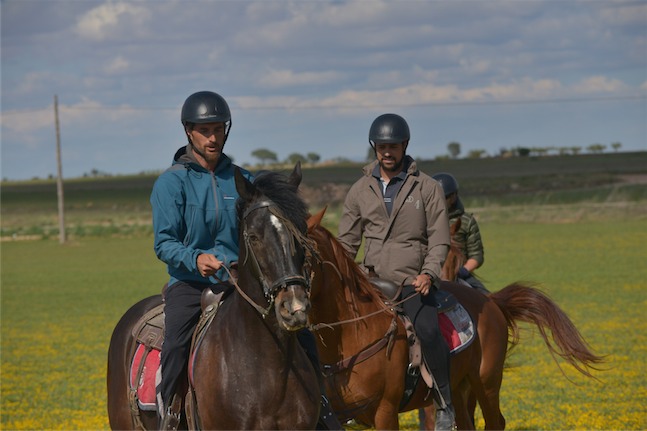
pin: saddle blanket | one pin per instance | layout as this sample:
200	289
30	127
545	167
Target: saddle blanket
457	328
144	383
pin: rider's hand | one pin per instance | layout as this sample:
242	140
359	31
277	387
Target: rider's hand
422	284
463	273
208	264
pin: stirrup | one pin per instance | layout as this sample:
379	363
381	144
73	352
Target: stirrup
171	421
173	415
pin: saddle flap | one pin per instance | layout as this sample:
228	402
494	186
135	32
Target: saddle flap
149	330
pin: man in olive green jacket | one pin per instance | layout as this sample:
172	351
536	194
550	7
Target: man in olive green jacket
402	216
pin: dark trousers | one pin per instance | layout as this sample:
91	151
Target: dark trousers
182	312
423	312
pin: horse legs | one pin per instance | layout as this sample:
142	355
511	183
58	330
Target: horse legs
386	417
429	422
493	332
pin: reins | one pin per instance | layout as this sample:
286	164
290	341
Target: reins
385	308
365	353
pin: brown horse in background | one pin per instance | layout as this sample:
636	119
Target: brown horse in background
351	319
249	371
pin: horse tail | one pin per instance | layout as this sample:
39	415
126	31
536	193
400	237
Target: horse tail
521	303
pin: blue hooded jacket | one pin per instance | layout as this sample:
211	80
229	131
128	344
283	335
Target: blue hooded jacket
194	212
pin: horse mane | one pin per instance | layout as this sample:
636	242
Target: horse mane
455	257
346	264
277	188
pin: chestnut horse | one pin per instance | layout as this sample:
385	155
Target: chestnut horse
250	371
350	317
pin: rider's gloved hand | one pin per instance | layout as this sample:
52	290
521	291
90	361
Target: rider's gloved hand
463	273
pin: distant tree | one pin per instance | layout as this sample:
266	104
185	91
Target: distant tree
265	155
313	158
523	151
296	157
504	152
454	149
476	154
576	150
341	160
563	151
616	146
596	148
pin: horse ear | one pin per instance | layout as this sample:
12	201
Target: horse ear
245	188
315	220
295	176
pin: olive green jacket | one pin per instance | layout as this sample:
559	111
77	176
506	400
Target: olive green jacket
413	240
468	236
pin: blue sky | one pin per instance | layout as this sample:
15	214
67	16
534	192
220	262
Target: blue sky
310	76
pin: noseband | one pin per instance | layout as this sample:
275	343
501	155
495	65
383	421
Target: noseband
270	290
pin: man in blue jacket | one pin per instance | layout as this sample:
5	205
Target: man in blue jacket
196	235
196	230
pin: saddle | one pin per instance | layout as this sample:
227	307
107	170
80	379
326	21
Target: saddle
454	322
148	335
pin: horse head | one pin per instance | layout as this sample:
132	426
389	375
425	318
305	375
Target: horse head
275	254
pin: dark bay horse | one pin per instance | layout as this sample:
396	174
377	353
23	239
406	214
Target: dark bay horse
249	372
350	317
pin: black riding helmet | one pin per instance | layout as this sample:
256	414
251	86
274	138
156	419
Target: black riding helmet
206	107
388	128
449	183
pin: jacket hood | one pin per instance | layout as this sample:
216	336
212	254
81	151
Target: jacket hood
184	156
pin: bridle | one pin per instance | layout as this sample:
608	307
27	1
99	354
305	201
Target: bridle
271	289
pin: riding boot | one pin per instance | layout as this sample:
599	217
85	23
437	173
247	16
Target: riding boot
445	415
327	417
445	418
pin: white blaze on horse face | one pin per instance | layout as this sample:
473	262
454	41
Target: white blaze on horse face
280	229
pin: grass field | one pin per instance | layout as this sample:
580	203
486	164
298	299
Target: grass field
61	302
573	225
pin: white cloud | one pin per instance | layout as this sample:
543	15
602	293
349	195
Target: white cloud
117	65
111	20
599	84
622	13
288	78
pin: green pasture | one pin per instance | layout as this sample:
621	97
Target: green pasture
61	302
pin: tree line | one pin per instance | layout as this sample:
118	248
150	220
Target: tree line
268	157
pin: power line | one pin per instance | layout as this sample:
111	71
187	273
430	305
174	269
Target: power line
354	106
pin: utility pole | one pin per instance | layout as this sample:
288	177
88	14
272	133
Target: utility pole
59	178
